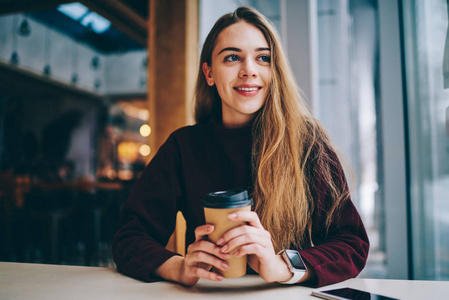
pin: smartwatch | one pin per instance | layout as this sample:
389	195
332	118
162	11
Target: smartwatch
295	264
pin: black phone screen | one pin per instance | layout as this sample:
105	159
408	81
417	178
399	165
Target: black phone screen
352	294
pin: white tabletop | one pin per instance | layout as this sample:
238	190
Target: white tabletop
35	281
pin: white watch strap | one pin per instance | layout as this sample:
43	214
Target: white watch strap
297	274
296	277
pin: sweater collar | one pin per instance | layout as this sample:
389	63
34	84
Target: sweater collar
219	128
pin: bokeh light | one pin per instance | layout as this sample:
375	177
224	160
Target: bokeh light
145	150
145	130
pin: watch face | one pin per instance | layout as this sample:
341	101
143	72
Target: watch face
296	260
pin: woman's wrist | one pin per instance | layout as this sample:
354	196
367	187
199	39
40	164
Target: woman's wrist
171	269
284	272
309	273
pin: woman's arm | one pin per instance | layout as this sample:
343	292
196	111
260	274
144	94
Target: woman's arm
148	217
336	256
340	251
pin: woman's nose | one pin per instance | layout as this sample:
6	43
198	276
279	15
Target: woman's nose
248	70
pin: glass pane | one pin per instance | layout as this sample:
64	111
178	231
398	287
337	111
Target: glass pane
348	62
427	83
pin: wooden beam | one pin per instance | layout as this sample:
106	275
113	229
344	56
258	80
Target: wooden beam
172	44
191	55
122	17
173	63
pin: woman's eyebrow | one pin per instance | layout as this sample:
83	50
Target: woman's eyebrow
230	49
240	50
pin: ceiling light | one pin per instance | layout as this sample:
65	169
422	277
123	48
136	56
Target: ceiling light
25	28
14	58
96	22
85	17
73	10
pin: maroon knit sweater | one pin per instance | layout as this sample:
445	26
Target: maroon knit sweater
204	158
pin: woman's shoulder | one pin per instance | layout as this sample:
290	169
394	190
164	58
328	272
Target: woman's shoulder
182	139
189	135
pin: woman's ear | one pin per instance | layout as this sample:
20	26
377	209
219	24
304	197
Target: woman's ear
208	74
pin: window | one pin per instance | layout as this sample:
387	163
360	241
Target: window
426	51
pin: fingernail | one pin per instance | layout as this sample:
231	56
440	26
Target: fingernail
233	216
210	228
220	241
236	253
219	277
225	255
224	249
224	266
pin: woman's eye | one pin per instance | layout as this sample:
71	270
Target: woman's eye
264	58
231	58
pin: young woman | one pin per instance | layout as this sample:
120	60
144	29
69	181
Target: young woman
253	131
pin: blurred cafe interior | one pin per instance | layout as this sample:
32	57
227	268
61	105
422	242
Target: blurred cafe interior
74	125
89	90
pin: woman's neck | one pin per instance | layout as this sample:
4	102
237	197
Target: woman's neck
241	122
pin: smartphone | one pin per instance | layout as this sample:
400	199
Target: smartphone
348	294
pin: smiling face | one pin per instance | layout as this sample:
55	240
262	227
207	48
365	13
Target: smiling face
241	72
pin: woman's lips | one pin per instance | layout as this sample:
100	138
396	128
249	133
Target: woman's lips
248	90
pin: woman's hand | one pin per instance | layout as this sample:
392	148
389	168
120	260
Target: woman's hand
254	240
201	256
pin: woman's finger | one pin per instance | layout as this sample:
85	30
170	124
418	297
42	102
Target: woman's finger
249	249
207	247
202	258
202	273
246	239
202	231
246	216
256	234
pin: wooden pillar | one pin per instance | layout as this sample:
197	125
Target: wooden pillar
172	67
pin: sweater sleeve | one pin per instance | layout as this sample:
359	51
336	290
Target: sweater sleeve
339	252
148	217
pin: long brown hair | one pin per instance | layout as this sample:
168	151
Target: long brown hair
287	143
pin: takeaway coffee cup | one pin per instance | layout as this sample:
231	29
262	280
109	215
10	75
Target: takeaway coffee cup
217	207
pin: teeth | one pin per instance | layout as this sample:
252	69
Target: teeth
247	89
